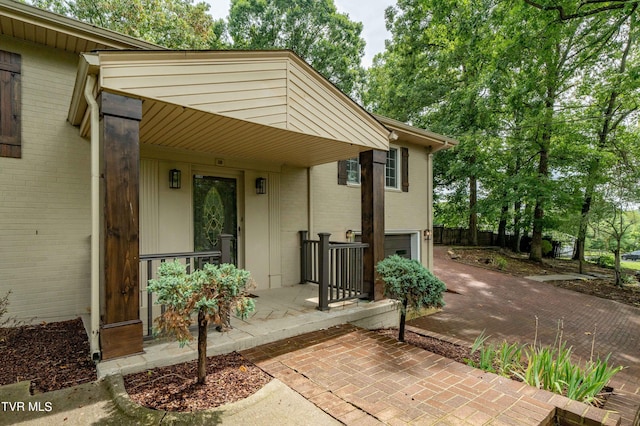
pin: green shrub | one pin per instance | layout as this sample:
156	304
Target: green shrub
407	281
500	262
211	292
606	261
547	247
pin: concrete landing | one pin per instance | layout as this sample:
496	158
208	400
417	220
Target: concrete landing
280	314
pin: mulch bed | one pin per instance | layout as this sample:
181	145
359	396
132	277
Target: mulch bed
439	347
51	355
230	378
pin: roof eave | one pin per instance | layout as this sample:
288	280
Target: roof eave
420	136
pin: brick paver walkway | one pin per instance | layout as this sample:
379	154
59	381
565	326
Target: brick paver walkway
363	378
507	306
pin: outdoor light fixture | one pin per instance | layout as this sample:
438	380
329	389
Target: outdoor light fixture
261	185
349	236
174	178
427	234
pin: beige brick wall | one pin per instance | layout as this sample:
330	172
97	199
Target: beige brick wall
294	218
337	207
45	195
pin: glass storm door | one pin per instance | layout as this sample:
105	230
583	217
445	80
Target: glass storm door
215	212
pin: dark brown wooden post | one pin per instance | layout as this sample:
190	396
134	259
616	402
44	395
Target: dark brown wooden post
303	256
323	271
121	332
372	165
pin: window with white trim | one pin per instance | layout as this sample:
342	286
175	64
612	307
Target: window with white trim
392	169
396	170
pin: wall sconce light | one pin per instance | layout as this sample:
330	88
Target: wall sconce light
261	185
349	236
175	176
427	234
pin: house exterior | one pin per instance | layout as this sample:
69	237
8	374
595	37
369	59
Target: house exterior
95	128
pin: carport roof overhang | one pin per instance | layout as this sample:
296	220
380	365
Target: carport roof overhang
255	105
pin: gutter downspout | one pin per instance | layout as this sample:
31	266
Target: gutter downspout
95	217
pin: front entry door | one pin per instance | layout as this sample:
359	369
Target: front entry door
215	212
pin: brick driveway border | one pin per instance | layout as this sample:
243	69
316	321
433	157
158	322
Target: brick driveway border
506	307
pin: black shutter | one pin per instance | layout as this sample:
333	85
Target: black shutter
10	140
405	169
342	172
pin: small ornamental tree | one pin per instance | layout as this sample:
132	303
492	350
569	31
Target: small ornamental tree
211	292
413	285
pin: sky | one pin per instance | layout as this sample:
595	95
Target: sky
370	13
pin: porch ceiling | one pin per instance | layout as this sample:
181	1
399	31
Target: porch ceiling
177	127
257	105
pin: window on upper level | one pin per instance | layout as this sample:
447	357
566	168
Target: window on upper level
396	170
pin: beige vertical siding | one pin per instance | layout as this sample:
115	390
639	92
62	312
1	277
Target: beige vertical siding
45	205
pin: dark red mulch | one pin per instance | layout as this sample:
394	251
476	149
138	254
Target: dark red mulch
230	378
439	347
51	355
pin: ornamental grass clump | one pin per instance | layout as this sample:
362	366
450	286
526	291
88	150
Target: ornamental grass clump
212	292
546	367
413	285
552	369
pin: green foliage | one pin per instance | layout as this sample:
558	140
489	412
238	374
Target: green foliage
606	261
548	368
411	283
213	290
176	24
542	107
552	369
504	360
500	262
315	30
547	247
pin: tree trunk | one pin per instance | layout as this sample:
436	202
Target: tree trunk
578	253
538	212
202	346
502	226
517	215
473	213
403	319
617	268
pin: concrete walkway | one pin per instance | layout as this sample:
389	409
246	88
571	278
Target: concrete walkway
507	306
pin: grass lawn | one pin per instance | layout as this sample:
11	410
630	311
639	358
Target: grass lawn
635	265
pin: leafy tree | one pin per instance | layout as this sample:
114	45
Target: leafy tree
314	29
435	74
407	281
614	218
210	292
614	96
175	24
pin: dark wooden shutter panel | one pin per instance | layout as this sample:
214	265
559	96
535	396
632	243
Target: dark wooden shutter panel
342	172
10	108
405	169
